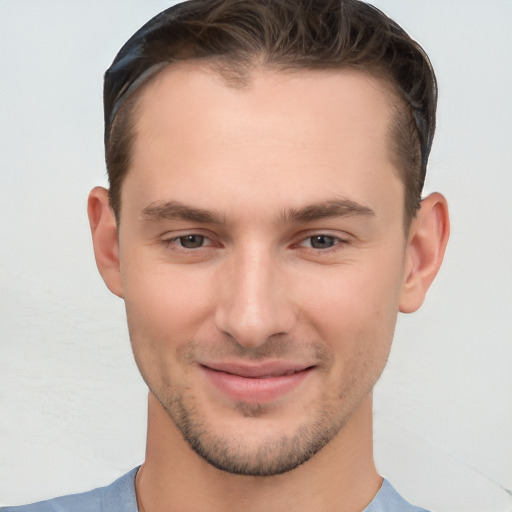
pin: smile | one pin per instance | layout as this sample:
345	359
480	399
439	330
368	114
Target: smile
255	384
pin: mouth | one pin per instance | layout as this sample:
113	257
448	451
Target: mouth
256	383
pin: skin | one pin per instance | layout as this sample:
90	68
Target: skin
291	213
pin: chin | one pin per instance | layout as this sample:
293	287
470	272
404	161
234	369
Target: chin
255	441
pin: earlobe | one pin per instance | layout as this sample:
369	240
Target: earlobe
105	239
426	246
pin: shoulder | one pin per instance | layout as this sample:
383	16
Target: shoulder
388	500
116	497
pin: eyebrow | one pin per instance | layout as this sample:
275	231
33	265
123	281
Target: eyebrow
174	210
328	209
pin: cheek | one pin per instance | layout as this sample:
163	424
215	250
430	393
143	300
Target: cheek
355	315
160	293
356	305
165	307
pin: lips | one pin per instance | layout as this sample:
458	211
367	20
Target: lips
256	383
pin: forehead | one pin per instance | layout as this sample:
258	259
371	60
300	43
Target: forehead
188	87
301	132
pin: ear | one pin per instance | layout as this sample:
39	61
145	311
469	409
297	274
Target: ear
426	245
105	239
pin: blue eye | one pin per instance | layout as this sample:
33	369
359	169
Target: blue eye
191	241
322	241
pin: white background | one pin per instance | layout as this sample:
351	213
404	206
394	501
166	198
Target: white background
72	406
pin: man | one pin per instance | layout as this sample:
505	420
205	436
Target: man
264	226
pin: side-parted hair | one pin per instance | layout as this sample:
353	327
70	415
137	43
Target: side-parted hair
236	36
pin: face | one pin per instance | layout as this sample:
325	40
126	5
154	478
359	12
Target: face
262	254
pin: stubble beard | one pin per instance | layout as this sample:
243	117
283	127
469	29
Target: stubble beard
273	456
276	452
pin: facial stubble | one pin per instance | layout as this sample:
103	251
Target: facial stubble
272	457
276	454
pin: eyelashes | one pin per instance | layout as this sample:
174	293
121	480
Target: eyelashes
191	241
322	242
195	242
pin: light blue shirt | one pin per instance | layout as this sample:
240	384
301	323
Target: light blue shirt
120	497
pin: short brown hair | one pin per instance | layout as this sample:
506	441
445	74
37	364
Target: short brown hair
283	34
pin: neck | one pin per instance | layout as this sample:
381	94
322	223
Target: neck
341	476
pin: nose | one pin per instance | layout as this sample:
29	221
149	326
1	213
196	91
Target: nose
254	302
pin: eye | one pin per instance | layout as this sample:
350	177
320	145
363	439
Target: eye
322	241
190	246
191	241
